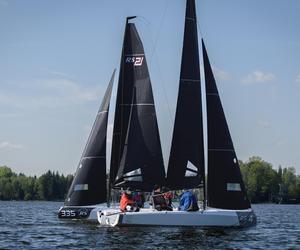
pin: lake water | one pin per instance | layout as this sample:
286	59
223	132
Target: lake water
34	225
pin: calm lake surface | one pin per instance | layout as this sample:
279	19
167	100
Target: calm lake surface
34	225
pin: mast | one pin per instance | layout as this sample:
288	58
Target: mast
89	184
124	95
186	163
136	154
226	188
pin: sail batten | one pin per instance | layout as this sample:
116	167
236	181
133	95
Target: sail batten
225	189
187	142
89	184
136	143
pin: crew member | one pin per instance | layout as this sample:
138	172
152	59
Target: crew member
127	204
188	202
158	200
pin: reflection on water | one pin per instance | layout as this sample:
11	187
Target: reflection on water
34	225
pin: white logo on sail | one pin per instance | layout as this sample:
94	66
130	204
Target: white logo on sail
191	170
81	187
234	187
136	60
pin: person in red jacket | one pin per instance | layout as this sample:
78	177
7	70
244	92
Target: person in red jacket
126	203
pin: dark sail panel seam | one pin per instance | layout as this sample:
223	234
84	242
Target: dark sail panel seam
138	104
134	54
192	170
130	176
189	80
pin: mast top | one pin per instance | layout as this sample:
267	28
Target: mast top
129	18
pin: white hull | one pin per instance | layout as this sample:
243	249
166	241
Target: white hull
206	218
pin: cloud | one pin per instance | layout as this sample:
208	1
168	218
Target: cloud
258	76
71	90
221	74
48	93
9	145
263	124
57	73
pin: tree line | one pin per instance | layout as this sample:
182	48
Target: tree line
262	182
49	186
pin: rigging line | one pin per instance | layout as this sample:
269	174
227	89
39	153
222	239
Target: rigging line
199	28
155	41
153	53
205	193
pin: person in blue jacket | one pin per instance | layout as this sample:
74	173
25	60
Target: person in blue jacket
188	202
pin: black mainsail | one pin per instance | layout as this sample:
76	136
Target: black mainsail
89	184
136	154
186	163
131	50
225	184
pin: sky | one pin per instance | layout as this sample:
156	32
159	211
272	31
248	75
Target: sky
56	58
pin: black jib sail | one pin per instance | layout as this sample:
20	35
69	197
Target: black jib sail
186	163
225	184
136	155
132	55
89	184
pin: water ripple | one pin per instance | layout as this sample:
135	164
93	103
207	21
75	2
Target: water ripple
34	225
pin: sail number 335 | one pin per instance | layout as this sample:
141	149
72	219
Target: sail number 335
68	213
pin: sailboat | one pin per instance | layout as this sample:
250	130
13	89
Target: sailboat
89	188
136	160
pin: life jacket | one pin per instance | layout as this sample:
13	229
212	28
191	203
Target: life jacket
125	201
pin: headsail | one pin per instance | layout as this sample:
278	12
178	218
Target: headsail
89	184
131	70
225	184
136	154
186	163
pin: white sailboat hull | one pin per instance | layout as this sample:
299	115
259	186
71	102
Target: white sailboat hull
206	218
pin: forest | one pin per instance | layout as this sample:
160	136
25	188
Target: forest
263	184
50	186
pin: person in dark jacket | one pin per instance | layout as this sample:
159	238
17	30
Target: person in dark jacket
168	195
139	199
188	202
158	200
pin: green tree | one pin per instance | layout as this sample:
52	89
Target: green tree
260	179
